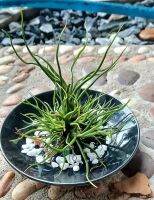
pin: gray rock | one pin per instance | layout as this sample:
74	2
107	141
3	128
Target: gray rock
102	41
77	22
46	28
5	41
128	77
89	23
75	41
35	21
17	41
14	26
132	39
129	31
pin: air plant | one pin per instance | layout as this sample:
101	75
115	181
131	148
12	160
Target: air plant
71	124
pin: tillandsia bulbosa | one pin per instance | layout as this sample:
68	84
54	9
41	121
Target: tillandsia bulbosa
71	123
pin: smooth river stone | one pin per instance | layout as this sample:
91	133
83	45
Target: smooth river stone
128	77
11	100
7	59
20	77
147	34
4	69
15	88
147	92
137	58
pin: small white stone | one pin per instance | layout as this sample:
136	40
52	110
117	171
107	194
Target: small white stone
39	159
54	165
95	161
31	146
70	158
102	50
31	153
100	152
29	141
86	150
142	50
37	133
78	159
25	151
108	140
104	147
44	133
91	156
60	159
64	166
92	145
76	168
38	151
24	146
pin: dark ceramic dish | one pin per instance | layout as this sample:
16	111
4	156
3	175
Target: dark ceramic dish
119	153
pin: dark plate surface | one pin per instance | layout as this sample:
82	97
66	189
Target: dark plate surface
125	145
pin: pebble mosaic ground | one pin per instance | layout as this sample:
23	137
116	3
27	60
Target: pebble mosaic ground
133	79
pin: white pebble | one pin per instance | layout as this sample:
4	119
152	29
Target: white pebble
44	133
31	153
86	150
92	145
37	133
76	168
70	158
100	152
60	159
38	151
25	151
104	147
95	161
24	146
91	156
39	159
64	166
29	141
30	146
54	165
78	159
108	140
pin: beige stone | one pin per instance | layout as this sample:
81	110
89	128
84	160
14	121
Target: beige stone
12	100
4	69
7	59
147	34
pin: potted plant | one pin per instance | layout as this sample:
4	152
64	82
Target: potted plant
70	128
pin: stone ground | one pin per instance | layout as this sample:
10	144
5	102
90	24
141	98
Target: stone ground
132	79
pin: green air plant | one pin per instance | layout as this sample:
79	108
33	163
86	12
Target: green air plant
70	126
